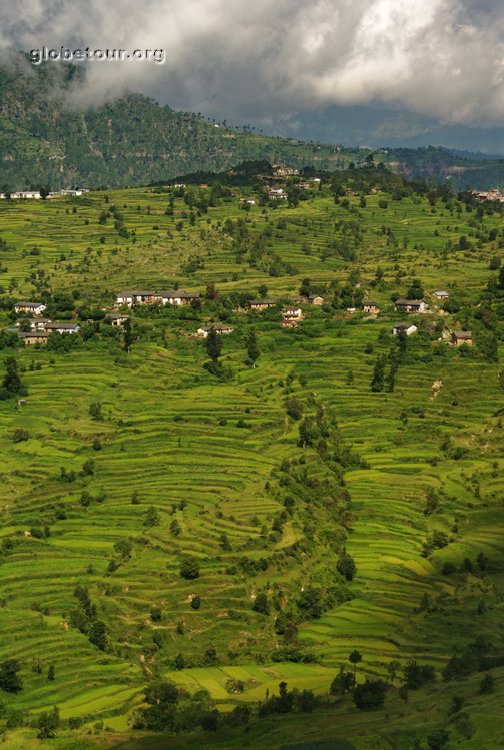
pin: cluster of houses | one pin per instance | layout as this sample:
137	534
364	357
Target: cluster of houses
32	328
36	195
488	195
149	297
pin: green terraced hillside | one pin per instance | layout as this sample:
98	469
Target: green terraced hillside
342	493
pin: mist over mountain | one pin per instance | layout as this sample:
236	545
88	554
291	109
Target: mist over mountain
380	126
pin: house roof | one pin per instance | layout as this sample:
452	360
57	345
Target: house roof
29	304
369	303
217	327
62	324
404	325
442	292
32	334
463	334
153	293
263	302
410	302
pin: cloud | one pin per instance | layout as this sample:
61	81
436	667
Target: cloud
269	58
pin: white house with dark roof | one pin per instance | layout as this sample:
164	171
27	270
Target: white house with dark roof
32	308
62	326
407	328
411	305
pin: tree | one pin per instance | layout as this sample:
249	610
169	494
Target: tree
305	288
263	291
416	290
370	696
123	547
10	681
343	682
51	673
179	662
487	685
213	345
189	569
175	528
128	337
261	604
378	381
355	658
98	635
346	566
438	739
253	351
47	724
417	675
151	517
11	384
393	668
294	408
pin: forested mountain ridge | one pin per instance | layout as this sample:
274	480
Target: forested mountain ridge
135	141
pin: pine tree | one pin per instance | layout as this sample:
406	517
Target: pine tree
253	351
128	335
377	382
213	345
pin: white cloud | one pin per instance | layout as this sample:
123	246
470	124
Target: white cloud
252	60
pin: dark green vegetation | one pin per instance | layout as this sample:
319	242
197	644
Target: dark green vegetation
134	141
191	527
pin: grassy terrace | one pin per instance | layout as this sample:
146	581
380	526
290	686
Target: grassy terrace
170	436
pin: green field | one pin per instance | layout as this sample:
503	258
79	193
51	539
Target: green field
220	457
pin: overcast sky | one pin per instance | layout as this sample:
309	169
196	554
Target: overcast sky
249	60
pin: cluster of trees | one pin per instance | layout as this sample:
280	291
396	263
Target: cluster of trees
85	618
171	709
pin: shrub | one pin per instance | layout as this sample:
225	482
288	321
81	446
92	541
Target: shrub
189	569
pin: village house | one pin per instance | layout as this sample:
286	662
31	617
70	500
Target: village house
33	194
280	170
300	300
149	297
407	328
32	308
290	322
370	307
116	319
441	295
62	326
33	337
248	201
316	299
261	304
35	324
411	305
277	194
219	328
462	337
292	313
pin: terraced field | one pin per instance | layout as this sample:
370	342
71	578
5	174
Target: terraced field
208	455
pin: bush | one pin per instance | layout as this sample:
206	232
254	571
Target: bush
370	696
20	435
189	569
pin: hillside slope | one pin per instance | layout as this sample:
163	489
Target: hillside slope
119	465
134	141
